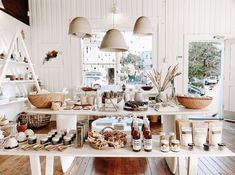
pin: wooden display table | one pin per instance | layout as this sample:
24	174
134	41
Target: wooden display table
66	119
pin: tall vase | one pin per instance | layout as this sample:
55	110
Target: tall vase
161	97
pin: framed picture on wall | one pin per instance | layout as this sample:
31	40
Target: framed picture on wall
51	55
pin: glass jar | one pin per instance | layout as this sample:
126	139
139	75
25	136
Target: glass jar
55	140
190	146
32	139
221	146
67	140
162	136
171	137
175	145
165	146
206	147
43	140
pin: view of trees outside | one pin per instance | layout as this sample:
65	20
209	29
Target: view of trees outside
204	61
137	60
133	64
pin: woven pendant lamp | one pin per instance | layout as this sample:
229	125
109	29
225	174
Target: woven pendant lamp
80	27
113	40
143	25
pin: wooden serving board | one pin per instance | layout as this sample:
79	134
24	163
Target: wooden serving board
142	108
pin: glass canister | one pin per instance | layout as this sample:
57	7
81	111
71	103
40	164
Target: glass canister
175	145
162	137
165	146
171	137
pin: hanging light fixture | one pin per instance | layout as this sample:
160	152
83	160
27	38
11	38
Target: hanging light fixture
1	4
143	25
80	27
113	40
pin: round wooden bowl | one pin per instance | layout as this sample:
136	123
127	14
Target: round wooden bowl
45	100
194	102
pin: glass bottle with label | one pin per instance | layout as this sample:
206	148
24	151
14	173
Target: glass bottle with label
136	140
148	145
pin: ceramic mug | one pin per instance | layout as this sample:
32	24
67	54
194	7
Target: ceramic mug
139	96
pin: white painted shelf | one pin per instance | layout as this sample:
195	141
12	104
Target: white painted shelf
8	101
16	62
19	81
88	151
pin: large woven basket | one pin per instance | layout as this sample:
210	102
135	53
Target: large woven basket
45	100
38	120
194	102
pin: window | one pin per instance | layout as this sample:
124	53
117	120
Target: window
105	68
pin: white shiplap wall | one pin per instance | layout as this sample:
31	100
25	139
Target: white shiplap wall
172	20
49	23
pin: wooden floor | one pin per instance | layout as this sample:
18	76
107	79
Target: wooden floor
15	165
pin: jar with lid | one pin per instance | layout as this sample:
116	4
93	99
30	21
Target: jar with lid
165	146
43	140
162	137
175	145
55	140
171	137
67	140
32	139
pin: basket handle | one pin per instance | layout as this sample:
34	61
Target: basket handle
107	127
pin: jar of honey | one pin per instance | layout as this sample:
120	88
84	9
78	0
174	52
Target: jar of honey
165	146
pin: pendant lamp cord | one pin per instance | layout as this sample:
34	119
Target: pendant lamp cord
142	3
113	13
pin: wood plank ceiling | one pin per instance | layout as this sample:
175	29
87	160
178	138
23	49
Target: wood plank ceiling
17	8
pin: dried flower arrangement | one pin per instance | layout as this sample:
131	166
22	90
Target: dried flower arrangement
156	78
50	55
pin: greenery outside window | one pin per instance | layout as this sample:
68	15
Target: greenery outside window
129	67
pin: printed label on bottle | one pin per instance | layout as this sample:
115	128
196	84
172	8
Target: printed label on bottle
147	144
136	144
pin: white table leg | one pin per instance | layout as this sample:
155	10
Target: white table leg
49	165
168	122
67	122
35	165
182	168
172	163
192	165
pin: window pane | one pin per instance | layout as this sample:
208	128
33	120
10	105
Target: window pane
99	67
137	60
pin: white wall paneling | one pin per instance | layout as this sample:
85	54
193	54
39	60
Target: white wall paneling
172	20
50	21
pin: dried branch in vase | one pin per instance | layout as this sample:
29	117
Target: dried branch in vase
156	78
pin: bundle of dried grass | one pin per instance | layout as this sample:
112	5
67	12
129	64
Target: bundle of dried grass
156	78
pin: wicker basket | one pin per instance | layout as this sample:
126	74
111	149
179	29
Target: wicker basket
38	120
108	144
194	102
45	100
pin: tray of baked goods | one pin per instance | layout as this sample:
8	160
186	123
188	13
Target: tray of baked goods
136	106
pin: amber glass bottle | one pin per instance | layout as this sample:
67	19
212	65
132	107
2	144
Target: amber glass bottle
136	139
148	145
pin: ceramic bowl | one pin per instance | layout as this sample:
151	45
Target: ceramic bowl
21	137
11	143
29	132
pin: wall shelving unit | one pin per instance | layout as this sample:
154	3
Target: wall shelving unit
8	63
